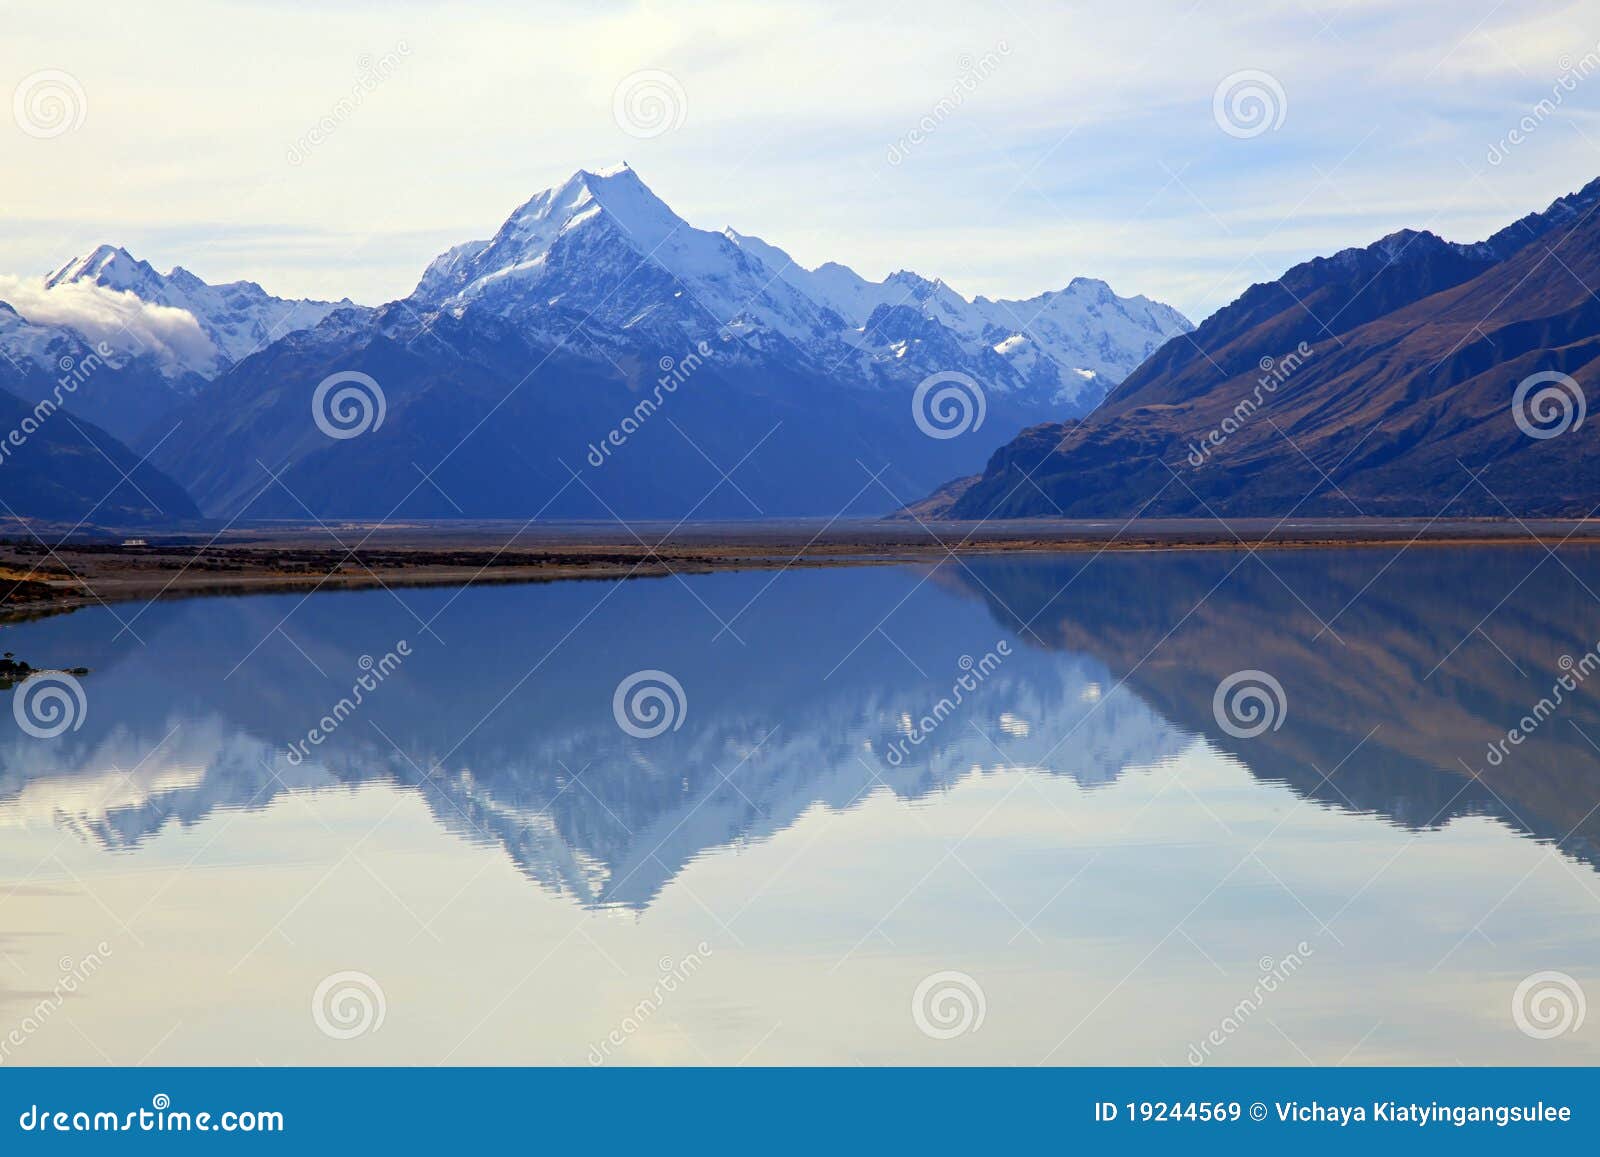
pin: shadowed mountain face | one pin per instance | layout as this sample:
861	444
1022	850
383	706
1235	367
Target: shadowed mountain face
1399	673
63	468
504	723
509	428
1377	381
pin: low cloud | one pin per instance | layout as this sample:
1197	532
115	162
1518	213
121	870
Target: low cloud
115	316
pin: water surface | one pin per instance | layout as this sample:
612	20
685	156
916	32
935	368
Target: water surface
1070	861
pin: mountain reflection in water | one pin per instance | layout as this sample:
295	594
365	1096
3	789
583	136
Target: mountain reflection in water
1003	768
501	717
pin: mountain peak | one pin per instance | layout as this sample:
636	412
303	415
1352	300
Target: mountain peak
615	182
617	191
182	278
108	265
613	200
621	193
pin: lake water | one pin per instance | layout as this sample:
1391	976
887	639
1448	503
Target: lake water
1071	860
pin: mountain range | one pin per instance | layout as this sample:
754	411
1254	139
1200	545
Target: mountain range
1412	377
596	357
154	340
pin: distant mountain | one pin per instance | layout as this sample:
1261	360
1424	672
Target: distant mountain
1077	342
1074	343
599	356
59	468
159	337
128	390
237	318
1370	382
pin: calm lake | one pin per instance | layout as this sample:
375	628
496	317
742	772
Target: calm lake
992	811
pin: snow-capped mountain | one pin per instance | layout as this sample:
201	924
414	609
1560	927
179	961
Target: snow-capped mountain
235	319
1081	340
571	243
603	248
24	345
550	345
1412	347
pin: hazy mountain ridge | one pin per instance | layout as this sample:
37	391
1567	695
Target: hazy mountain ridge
153	340
237	318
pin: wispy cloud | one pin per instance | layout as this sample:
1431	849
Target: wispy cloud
1092	148
114	316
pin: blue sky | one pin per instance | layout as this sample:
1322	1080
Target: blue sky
1089	146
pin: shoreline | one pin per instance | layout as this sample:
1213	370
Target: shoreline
36	580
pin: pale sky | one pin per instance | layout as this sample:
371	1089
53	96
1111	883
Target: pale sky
1091	146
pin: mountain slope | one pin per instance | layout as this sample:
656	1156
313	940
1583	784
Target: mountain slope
68	470
508	428
126	392
1379	381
